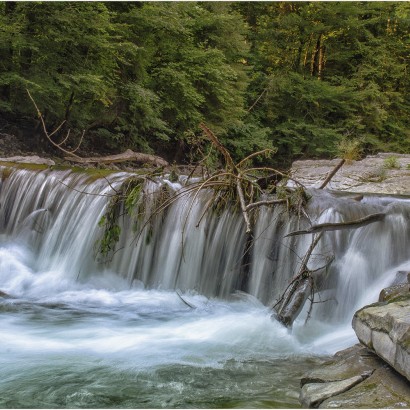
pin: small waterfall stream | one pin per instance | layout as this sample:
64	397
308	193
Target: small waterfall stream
78	332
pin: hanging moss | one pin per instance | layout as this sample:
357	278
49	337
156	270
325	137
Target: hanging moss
126	201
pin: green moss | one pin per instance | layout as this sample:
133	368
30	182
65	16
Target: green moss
30	167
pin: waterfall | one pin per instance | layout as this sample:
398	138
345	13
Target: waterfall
169	318
55	214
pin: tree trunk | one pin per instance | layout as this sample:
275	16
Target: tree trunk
314	62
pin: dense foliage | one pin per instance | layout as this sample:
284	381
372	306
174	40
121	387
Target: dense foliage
303	77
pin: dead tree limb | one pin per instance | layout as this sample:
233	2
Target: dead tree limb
212	137
342	225
332	173
128	155
49	135
295	295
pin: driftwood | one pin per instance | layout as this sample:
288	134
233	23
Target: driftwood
291	303
342	225
299	293
128	155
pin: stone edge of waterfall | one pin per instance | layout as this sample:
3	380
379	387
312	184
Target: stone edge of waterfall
384	173
374	373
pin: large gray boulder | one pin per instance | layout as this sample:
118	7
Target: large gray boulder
385	328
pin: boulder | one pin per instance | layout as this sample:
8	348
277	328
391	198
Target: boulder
385	328
394	292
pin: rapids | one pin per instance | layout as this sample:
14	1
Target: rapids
168	321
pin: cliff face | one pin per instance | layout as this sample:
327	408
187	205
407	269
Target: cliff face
385	173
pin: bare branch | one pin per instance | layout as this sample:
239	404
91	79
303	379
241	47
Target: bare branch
253	205
338	226
218	145
46	133
255	154
243	205
332	173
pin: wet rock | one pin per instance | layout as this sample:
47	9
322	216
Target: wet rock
32	159
354	378
385	388
393	292
385	328
313	394
351	362
4	295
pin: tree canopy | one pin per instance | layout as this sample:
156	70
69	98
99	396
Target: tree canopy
301	77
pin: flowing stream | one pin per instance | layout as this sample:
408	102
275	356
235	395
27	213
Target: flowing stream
169	320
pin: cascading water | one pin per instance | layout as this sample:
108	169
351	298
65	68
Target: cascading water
80	332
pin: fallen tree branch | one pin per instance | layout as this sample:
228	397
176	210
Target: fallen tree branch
48	135
264	203
212	137
338	226
297	292
128	155
332	173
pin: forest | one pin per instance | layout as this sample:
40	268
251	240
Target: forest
301	78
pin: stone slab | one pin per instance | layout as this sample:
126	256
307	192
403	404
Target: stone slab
354	361
312	394
385	388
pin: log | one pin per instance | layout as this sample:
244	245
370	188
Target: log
128	155
290	310
342	225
